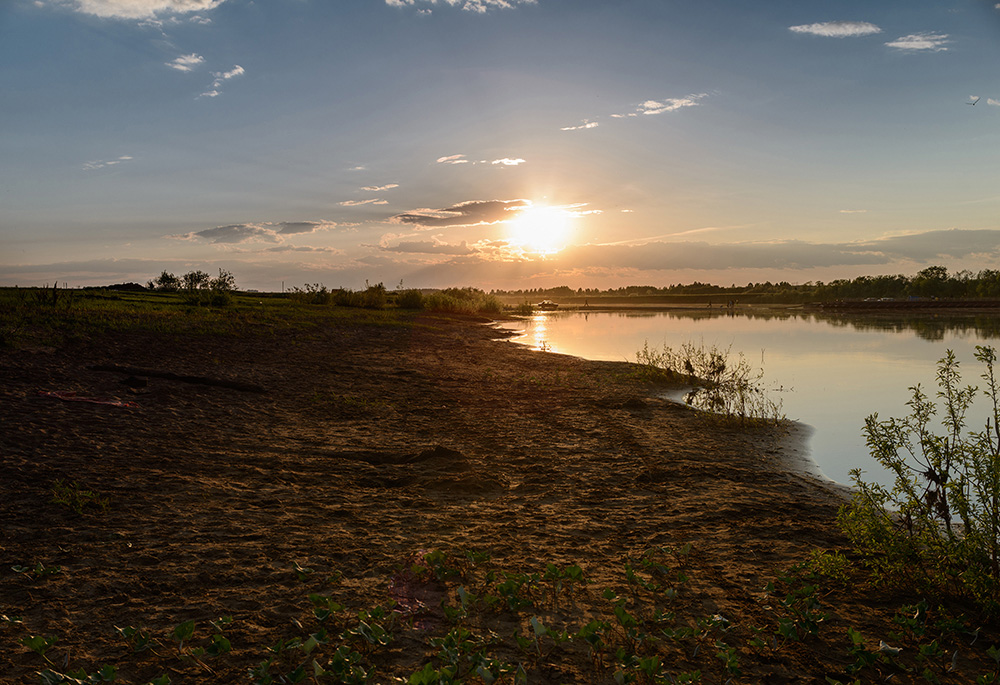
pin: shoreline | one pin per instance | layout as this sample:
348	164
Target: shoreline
794	446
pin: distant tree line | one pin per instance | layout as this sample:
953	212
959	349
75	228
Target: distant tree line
197	286
932	282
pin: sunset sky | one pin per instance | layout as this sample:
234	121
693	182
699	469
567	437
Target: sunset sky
498	143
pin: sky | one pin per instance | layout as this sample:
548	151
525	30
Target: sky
497	143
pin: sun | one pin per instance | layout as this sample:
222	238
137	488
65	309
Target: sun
540	229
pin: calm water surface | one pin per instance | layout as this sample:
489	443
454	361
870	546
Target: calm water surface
829	372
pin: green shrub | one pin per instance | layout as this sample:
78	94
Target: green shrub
311	293
938	527
463	301
410	299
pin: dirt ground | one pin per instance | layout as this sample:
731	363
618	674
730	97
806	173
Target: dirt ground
354	450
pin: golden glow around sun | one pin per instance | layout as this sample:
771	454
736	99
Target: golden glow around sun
540	229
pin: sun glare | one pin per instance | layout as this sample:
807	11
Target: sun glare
540	229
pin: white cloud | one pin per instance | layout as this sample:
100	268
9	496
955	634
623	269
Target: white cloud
138	9
220	78
853	211
932	42
358	203
584	125
186	62
452	159
648	107
100	164
378	189
991	101
838	29
507	161
478	6
670	104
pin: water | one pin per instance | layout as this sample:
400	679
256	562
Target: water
828	371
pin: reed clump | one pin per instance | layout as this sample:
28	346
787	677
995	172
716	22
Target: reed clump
720	383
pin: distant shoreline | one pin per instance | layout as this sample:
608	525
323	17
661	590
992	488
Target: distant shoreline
940	306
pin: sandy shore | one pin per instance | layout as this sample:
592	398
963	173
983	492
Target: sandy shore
369	446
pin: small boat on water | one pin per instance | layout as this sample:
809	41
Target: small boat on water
546	305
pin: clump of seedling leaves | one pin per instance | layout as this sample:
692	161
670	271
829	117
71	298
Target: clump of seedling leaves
928	643
78	499
36	572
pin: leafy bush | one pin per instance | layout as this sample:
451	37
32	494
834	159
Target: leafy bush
311	293
410	299
938	527
463	301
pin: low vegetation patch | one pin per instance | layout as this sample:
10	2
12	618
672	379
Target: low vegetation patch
493	624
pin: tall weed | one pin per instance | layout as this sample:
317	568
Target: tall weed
732	388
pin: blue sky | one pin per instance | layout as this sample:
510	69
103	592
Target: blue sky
499	143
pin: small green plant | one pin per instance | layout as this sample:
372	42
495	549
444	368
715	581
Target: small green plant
106	674
39	570
78	499
39	644
138	640
301	572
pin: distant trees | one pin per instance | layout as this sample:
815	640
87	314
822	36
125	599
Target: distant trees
931	282
198	287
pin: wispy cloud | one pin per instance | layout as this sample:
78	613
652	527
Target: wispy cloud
647	107
853	211
358	203
295	227
991	101
586	124
472	213
921	42
838	29
266	232
220	78
304	248
378	189
507	161
670	104
452	159
138	9
186	62
479	6
430	247
102	163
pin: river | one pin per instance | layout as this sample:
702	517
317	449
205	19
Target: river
828	371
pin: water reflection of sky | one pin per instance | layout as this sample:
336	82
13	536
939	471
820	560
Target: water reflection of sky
832	372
